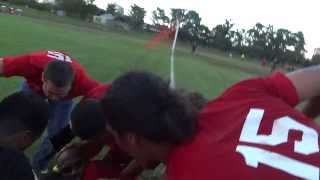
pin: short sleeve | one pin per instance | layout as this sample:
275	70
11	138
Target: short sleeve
277	85
84	83
280	85
16	66
98	92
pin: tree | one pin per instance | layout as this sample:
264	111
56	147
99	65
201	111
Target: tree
238	40
299	49
111	9
159	17
71	7
89	1
270	39
258	42
191	26
23	2
78	8
90	10
178	14
137	15
204	35
222	36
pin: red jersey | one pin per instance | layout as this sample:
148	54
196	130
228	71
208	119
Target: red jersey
250	132
99	91
31	67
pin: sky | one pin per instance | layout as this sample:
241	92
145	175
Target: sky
294	15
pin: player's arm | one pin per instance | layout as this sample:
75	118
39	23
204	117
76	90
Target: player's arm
75	155
15	65
1	66
307	84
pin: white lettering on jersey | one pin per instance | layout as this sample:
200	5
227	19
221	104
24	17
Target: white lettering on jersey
59	56
280	131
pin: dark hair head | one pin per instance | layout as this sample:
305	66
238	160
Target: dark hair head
60	73
87	119
14	165
197	100
142	103
23	111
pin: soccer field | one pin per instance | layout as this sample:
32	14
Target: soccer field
107	54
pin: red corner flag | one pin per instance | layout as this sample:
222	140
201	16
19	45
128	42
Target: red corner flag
165	33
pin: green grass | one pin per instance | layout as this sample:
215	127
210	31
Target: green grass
105	55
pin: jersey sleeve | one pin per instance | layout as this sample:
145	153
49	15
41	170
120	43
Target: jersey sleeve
85	83
276	85
98	92
281	86
17	65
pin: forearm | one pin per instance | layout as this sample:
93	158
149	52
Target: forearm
306	82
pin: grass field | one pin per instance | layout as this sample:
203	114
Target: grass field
106	54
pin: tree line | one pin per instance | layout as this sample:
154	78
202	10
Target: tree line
278	46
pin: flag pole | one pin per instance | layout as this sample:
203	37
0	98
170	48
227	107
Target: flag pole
172	70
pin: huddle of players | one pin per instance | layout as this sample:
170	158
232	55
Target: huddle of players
251	130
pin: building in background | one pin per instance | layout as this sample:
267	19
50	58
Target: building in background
47	1
316	51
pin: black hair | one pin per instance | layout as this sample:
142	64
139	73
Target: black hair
143	103
61	138
14	165
197	100
23	111
60	73
87	119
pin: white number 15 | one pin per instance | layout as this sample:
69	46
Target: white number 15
280	131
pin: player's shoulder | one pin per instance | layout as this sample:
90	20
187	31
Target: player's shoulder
99	91
253	86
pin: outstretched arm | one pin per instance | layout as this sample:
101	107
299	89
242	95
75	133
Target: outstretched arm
307	84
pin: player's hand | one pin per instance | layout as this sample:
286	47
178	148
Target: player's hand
69	160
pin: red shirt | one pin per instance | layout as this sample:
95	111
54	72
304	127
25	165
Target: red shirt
99	91
250	132
31	66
